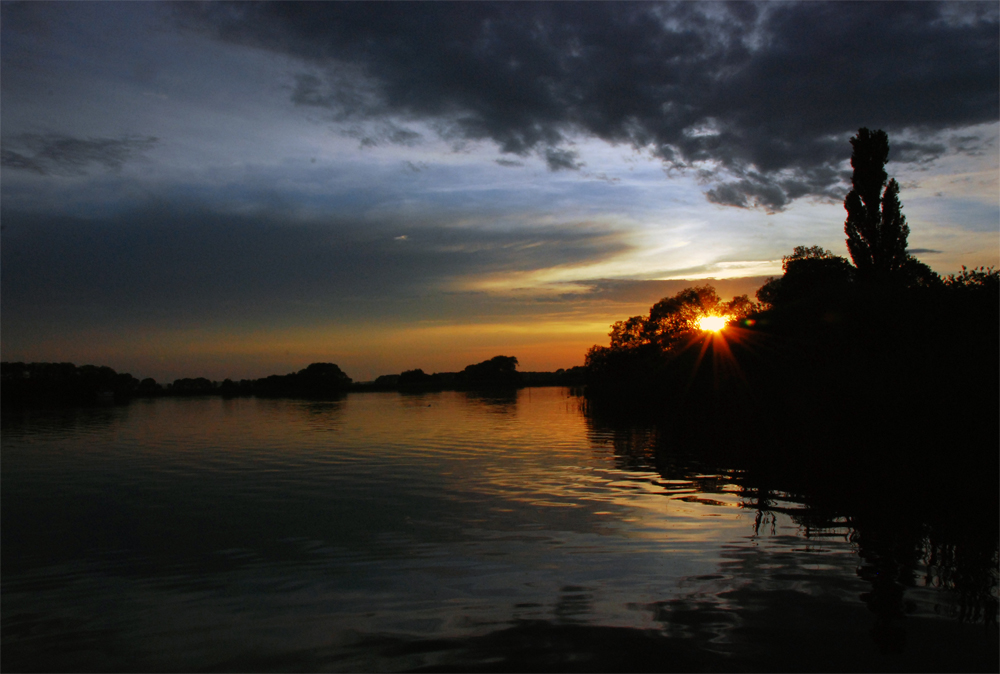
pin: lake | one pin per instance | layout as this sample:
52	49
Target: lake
448	531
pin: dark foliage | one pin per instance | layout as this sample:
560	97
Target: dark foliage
981	281
808	272
415	378
874	381
497	371
880	364
879	403
229	389
319	380
59	384
196	386
386	382
63	384
866	366
917	274
148	387
643	348
876	227
34	384
573	377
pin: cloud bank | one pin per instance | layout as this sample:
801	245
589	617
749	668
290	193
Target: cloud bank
61	154
188	263
757	98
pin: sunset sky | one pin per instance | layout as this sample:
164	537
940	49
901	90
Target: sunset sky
237	190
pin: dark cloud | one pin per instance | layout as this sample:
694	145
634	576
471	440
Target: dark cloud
923	251
16	160
916	153
774	192
762	96
751	191
191	263
972	145
559	159
57	154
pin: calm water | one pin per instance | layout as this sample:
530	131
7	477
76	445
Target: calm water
442	530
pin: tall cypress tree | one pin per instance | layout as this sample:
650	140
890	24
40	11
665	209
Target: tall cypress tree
876	227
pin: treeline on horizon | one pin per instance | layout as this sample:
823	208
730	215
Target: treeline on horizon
54	384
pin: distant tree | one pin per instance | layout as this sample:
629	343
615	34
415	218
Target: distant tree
320	379
499	370
192	386
387	380
414	378
229	388
876	227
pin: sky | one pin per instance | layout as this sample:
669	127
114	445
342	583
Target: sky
238	190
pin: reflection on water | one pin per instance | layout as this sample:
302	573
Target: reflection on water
451	530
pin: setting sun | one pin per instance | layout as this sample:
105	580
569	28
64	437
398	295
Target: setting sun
712	323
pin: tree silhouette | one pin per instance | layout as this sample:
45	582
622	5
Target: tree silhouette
672	318
642	346
876	227
321	379
628	333
809	271
415	377
497	371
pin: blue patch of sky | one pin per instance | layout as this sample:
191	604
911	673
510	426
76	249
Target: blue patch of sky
971	215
